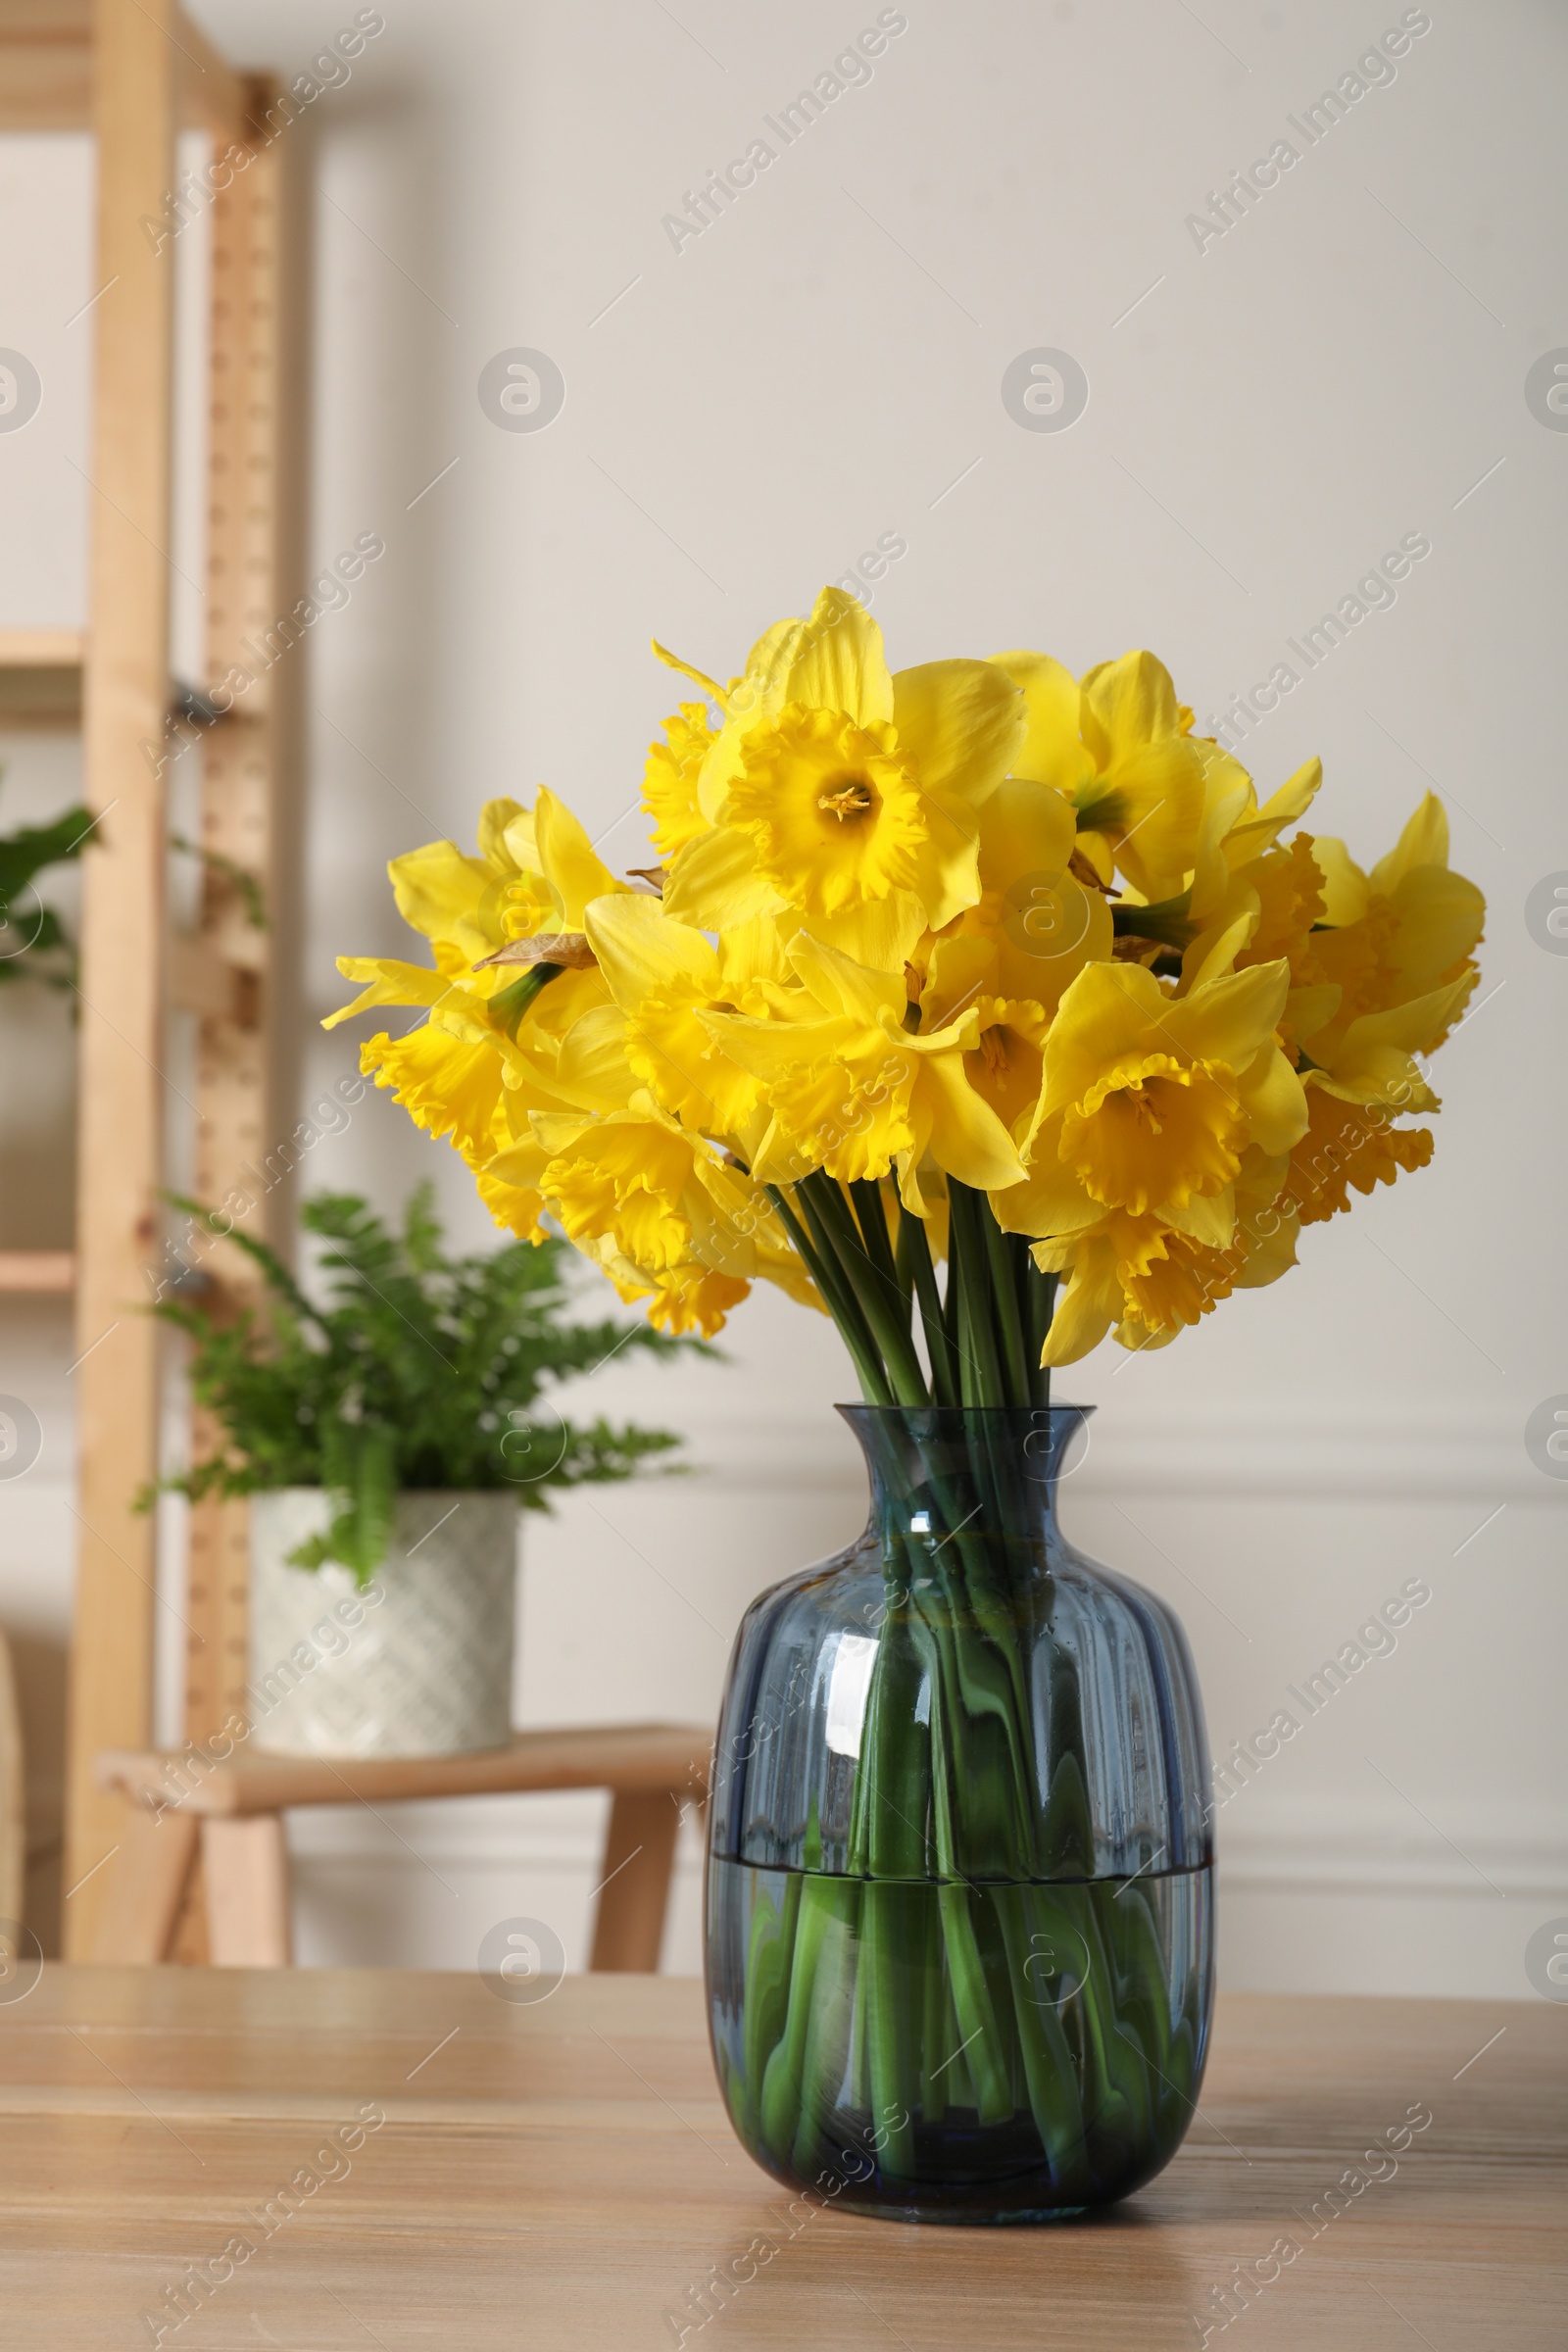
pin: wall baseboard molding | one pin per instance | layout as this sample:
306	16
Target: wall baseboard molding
1386	1863
1309	1858
1435	1453
1365	1453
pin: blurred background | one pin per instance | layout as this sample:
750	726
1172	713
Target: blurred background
823	379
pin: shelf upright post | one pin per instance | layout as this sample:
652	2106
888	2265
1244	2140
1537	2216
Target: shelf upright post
127	697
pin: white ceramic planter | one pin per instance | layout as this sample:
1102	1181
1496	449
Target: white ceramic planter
420	1664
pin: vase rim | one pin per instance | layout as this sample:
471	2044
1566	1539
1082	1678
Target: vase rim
963	1412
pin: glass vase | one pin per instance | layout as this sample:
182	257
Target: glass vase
959	1924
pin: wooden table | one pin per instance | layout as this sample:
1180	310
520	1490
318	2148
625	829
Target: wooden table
561	2176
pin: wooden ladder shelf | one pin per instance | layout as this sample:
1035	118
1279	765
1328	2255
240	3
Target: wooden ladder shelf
137	73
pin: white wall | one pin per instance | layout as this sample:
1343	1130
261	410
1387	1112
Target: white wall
742	419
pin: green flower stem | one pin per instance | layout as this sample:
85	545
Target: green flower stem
840	1301
980	1372
937	2024
983	2044
831	2017
1116	2078
1039	1295
950	1317
821	1930
891	1794
510	1003
1141	1973
938	1630
890	1804
851	1287
915	1262
768	1958
869	1214
882	1302
947	1594
1005	1291
890	1958
1028	1926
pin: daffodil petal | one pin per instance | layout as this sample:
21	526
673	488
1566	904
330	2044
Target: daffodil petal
1051	751
1441	917
834	661
1311	1008
1347	891
698	677
496	818
1126	701
643	951
1086	1310
1212	955
389	983
1272	1098
714	884
1049	1202
1423	842
960	723
572	868
1104	1017
437	889
843	987
969	1139
882	934
1228	1019
1373	1063
1251	837
1207	1218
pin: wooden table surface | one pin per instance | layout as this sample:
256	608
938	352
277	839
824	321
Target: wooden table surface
467	2174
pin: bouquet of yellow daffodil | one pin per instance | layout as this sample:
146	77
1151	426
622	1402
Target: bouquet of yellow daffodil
972	963
980	966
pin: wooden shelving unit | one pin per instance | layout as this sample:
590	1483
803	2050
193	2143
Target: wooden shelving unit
40	677
136	72
37	1270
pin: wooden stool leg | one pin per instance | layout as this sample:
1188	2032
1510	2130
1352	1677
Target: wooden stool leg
146	1885
245	1864
639	1859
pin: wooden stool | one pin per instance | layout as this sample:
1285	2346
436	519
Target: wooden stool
237	1810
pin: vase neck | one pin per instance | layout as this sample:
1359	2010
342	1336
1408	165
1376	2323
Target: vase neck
990	1471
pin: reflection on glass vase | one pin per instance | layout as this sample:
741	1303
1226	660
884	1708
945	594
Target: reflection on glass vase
959	1883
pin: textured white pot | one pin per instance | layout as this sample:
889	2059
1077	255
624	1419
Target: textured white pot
418	1664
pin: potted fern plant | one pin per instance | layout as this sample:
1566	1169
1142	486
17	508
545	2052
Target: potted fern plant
34	944
387	1437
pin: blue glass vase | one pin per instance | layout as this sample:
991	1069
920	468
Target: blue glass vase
959	1909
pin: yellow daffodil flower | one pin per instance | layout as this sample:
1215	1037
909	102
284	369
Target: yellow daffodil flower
666	1216
1148	1282
660	1195
1035	925
1349	1144
1221	912
852	1090
1402	932
671	779
844	793
1149	1102
1116	744
663	976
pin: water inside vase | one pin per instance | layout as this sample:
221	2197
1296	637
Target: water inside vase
961	2052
